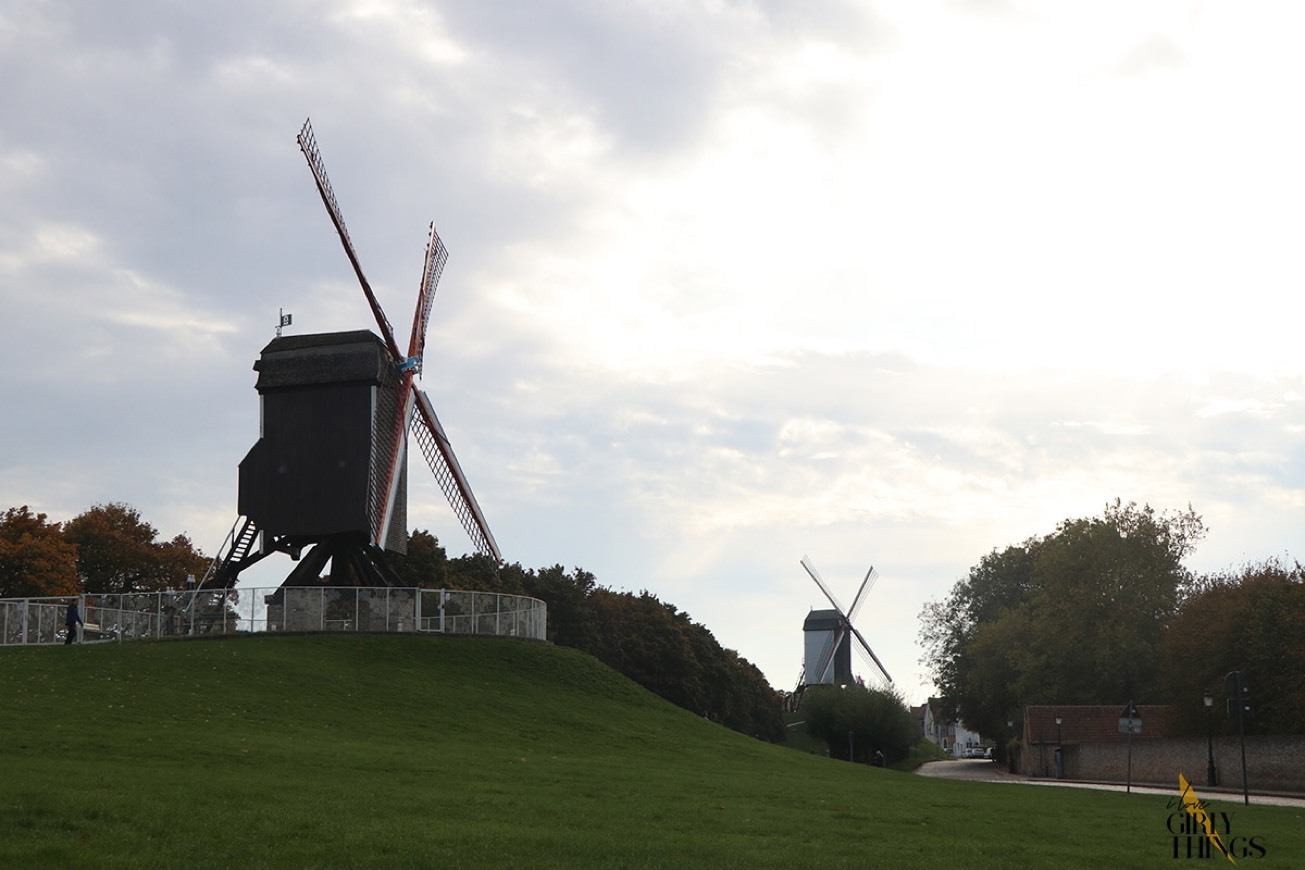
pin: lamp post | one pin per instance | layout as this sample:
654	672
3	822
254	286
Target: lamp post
1060	758
1010	735
1211	776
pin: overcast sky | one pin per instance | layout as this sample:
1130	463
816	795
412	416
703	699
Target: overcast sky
889	283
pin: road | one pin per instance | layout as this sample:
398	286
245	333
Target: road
982	770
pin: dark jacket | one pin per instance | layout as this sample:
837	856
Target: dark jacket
73	616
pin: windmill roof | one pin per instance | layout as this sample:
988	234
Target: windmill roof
322	358
822	620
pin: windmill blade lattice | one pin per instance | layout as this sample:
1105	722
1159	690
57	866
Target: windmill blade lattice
861	594
443	464
398	458
815	575
308	144
436	257
866	647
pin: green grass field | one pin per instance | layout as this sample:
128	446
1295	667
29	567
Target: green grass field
392	751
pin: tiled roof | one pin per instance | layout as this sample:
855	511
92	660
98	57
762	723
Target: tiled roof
1091	724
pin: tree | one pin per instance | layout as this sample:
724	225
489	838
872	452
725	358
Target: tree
115	549
425	563
1075	617
972	673
35	560
1252	622
117	552
856	722
570	617
480	572
647	640
178	563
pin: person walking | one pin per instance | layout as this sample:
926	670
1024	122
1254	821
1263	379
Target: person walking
72	620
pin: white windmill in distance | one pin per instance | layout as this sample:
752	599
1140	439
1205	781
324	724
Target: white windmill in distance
829	635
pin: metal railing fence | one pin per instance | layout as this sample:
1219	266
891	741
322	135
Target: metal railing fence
142	615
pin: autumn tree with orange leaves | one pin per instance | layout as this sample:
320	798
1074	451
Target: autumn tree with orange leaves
35	559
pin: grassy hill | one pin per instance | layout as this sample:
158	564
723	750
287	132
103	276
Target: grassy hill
391	751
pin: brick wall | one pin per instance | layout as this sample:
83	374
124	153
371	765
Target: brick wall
1272	763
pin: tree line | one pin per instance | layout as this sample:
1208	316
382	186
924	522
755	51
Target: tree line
107	549
1103	611
648	640
111	549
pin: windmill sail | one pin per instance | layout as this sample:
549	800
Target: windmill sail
815	575
308	144
863	593
824	672
865	646
438	451
436	257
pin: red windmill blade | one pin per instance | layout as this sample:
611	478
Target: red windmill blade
308	144
436	257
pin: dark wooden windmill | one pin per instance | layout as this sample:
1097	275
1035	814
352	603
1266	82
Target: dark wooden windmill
829	636
328	473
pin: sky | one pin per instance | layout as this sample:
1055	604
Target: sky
730	283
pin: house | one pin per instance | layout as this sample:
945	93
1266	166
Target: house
944	733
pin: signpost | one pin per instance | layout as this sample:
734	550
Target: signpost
1130	723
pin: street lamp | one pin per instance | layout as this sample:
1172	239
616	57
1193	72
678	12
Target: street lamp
1060	757
1211	777
1010	736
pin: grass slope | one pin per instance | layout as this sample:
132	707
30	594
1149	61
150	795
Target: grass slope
387	751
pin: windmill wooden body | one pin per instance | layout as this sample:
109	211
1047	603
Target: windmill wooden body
328	472
829	637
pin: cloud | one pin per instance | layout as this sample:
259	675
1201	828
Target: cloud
1154	54
1255	407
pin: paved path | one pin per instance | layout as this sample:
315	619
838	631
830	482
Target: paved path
966	768
981	770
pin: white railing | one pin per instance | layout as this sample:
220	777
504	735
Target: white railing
290	608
